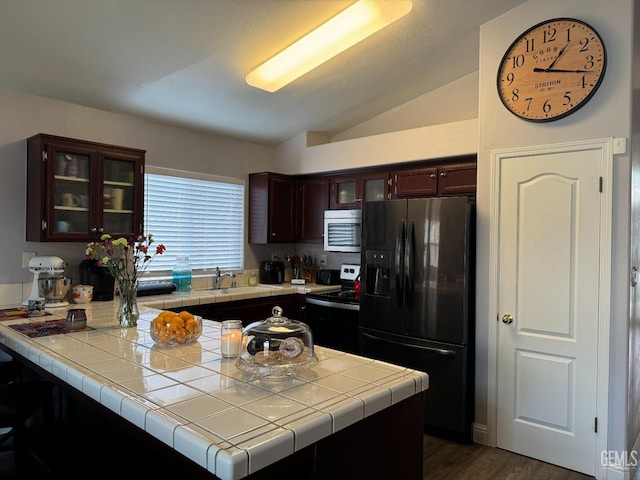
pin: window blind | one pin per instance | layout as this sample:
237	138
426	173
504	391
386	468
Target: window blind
197	217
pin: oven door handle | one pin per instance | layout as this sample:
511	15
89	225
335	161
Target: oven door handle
440	351
330	304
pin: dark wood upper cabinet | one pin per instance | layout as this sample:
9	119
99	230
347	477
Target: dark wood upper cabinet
275	200
271	208
312	199
350	190
460	179
78	190
430	181
420	182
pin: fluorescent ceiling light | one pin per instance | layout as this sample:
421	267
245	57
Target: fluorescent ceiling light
349	27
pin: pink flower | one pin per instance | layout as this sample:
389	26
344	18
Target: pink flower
125	258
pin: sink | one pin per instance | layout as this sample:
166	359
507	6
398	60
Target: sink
243	290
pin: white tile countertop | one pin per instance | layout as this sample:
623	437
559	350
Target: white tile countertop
204	297
200	404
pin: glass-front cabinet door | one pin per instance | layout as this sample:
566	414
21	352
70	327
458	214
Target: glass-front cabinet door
375	187
119	195
71	191
78	190
349	191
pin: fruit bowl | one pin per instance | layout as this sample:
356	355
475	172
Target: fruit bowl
170	328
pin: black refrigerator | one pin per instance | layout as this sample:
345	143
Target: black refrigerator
417	300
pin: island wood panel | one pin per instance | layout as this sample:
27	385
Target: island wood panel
387	444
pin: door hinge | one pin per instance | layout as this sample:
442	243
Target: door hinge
595	425
601	180
44	155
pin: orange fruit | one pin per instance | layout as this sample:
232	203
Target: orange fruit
190	325
176	323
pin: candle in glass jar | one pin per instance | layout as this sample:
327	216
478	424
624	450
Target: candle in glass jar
230	338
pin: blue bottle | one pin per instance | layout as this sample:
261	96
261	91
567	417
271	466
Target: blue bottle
182	274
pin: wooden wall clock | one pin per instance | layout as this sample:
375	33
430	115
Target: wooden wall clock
551	70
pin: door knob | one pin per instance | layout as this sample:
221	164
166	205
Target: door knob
507	319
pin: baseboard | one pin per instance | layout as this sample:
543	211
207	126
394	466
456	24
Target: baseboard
634	471
480	434
617	473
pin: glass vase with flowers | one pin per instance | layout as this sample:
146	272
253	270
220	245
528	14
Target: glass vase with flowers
126	259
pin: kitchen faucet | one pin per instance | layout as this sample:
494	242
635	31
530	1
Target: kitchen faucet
219	277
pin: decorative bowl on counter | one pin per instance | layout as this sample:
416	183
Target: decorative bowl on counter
170	328
276	346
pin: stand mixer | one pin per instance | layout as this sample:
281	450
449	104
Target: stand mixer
52	269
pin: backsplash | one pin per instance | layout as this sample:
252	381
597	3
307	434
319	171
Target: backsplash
315	251
15	293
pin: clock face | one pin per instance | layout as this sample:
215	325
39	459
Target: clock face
551	70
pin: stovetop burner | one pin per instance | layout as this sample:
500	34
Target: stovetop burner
343	295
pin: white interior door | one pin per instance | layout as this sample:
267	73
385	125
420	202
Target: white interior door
550	208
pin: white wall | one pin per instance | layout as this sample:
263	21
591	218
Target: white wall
435	141
453	102
607	114
171	147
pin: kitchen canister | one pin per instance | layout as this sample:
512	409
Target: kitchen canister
182	274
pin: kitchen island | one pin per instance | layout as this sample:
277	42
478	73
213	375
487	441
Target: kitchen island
347	416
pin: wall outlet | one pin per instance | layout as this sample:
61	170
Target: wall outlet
26	256
323	260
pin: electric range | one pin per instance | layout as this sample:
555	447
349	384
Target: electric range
333	316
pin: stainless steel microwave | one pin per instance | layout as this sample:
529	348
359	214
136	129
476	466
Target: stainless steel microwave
342	230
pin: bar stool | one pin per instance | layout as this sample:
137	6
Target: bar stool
19	401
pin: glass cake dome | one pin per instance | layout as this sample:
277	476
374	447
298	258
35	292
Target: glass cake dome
276	346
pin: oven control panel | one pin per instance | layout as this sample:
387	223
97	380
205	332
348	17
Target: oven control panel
349	272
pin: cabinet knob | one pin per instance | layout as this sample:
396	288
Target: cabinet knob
101	229
443	174
273	234
94	230
433	175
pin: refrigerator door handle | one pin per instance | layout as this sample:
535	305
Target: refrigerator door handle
399	263
409	265
440	351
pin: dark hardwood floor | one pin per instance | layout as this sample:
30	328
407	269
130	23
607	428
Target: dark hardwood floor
445	460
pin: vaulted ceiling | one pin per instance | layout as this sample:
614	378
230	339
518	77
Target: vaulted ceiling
184	61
